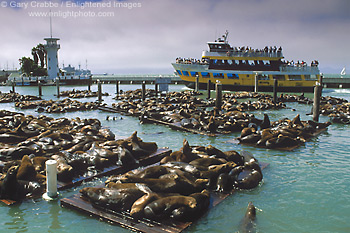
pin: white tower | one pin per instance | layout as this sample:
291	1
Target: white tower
52	59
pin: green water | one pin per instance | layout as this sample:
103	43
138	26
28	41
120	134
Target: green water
306	190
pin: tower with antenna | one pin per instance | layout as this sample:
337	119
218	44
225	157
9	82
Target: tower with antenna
52	48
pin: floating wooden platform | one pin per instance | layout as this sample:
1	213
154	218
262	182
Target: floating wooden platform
151	159
123	219
289	148
175	126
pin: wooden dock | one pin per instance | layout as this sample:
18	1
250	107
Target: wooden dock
289	148
174	126
123	219
153	158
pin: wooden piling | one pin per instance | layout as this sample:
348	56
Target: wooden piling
13	87
58	87
275	86
156	89
40	89
197	83
143	92
218	89
89	83
117	87
316	105
256	87
99	90
208	88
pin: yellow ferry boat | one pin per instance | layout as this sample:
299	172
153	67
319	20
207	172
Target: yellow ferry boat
237	68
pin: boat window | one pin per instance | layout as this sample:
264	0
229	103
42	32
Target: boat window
263	77
313	77
279	77
218	75
215	61
185	73
307	77
294	77
229	62
179	72
205	74
232	76
194	74
251	62
266	63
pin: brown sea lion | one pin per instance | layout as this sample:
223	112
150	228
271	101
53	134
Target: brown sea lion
266	122
110	198
26	170
248	222
163	207
247	131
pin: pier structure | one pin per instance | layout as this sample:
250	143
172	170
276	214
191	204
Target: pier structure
135	78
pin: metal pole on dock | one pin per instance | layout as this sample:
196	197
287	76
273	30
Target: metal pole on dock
316	105
58	87
256	89
197	83
275	86
218	89
208	88
51	180
13	87
40	90
143	92
99	90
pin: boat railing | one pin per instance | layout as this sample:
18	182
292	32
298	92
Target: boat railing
250	53
311	69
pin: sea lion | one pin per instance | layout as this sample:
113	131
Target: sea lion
186	214
204	163
223	183
110	198
176	184
9	186
266	122
125	158
247	131
248	223
249	181
251	138
163	207
65	172
26	170
153	172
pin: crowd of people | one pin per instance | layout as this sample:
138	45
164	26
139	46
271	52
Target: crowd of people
299	64
202	61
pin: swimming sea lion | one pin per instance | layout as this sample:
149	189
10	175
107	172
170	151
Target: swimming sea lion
248	222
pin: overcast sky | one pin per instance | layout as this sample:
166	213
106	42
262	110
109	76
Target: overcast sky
145	37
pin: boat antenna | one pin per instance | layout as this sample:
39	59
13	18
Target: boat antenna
50	24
